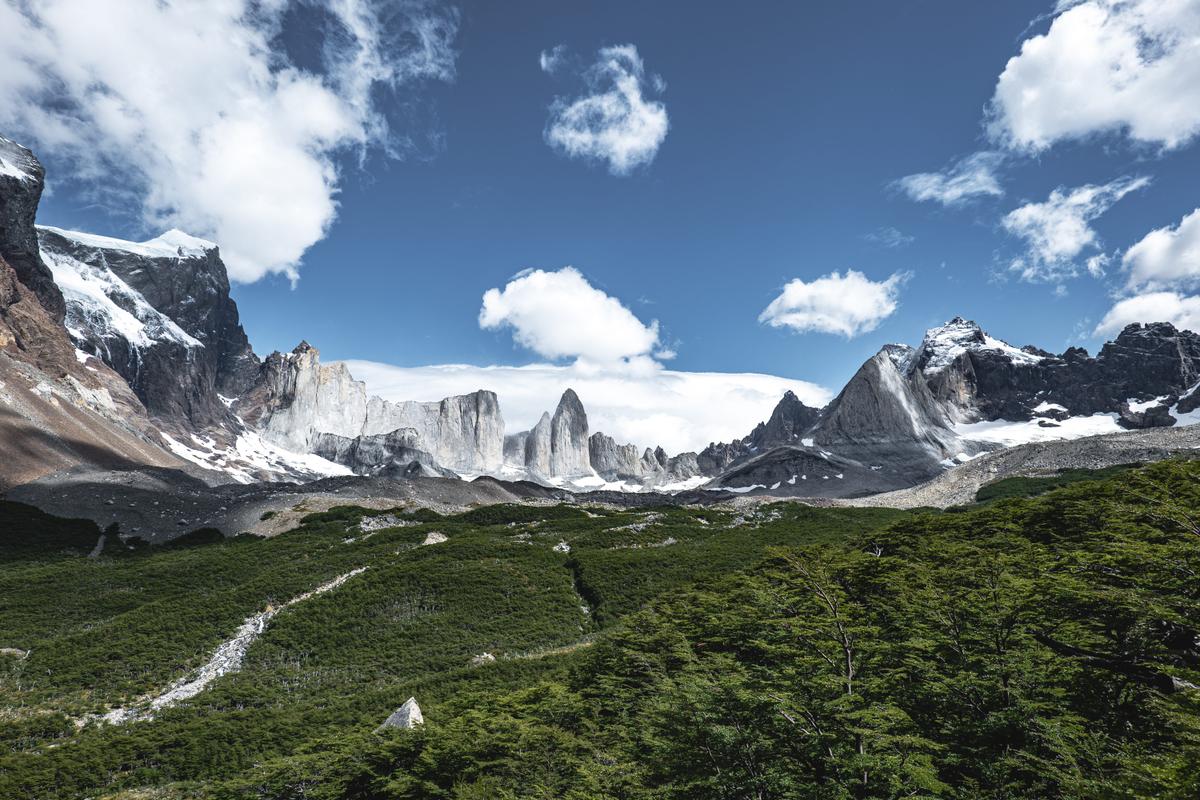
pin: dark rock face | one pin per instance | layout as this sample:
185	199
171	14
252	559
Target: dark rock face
803	472
22	179
790	421
1143	362
190	346
716	458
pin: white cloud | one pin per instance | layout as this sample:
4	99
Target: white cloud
848	305
1058	230
1166	257
1181	310
193	113
968	178
560	315
1104	65
613	122
679	410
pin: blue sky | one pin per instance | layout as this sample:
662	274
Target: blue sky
789	126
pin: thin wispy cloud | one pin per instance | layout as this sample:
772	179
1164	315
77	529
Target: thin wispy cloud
1058	230
847	305
614	121
208	124
968	178
1128	66
890	238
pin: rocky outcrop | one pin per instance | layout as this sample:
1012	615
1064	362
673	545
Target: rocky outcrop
405	717
22	179
383	455
297	403
622	462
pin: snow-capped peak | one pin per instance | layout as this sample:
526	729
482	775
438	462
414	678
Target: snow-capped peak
942	345
172	244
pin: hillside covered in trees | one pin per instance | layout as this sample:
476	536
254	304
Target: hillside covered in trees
1024	647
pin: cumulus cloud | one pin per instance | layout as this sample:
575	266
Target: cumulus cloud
679	410
196	114
1058	230
1181	310
848	305
968	178
560	315
613	121
1166	257
1104	65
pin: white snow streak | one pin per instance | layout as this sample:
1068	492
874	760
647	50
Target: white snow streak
225	659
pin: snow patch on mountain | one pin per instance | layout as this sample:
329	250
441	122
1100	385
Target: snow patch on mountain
1010	434
101	303
250	456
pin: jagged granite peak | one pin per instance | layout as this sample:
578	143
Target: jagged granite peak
945	344
297	400
790	421
159	313
569	438
22	180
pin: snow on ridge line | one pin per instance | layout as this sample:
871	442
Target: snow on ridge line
225	659
171	244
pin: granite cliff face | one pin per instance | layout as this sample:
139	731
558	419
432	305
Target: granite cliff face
297	401
557	447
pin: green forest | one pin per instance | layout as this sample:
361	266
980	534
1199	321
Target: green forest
1043	642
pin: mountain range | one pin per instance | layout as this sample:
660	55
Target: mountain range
117	354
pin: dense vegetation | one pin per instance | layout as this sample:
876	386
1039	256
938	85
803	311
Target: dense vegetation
1024	648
